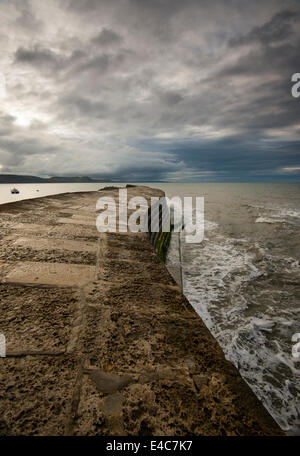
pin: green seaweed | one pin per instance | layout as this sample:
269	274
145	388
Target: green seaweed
162	244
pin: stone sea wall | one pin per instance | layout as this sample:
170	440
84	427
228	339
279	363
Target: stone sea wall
99	337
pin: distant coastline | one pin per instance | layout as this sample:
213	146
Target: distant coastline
23	179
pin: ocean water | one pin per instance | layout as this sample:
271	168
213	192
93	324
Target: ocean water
28	191
243	279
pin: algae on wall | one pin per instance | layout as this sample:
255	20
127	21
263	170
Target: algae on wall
162	244
160	240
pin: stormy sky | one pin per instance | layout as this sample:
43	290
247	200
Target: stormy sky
148	90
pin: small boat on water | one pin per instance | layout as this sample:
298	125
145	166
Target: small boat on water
14	190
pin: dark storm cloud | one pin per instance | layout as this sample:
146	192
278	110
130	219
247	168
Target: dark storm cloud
6	124
170	98
279	28
139	16
84	107
100	63
234	158
74	64
155	8
107	37
150	90
265	61
45	59
266	101
38	57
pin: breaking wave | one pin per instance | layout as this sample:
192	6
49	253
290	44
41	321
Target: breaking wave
237	289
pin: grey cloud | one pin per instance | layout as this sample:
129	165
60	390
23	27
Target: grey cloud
28	21
49	62
100	63
85	5
15	151
6	124
77	62
232	158
146	18
135	90
38	56
265	101
170	98
107	37
153	8
277	29
24	146
84	107
270	60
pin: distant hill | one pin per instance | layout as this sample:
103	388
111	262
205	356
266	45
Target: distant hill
19	179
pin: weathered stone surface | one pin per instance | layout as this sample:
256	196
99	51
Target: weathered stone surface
139	360
80	211
32	227
36	394
37	320
22	253
56	244
77	221
64	275
83	217
107	382
68	231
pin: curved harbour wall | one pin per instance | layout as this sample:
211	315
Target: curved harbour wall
100	339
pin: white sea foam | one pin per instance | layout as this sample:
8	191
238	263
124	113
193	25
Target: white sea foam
208	274
262	324
246	292
259	364
216	276
289	213
209	225
274	213
268	220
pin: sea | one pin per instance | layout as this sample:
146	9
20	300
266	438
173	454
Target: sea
243	279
